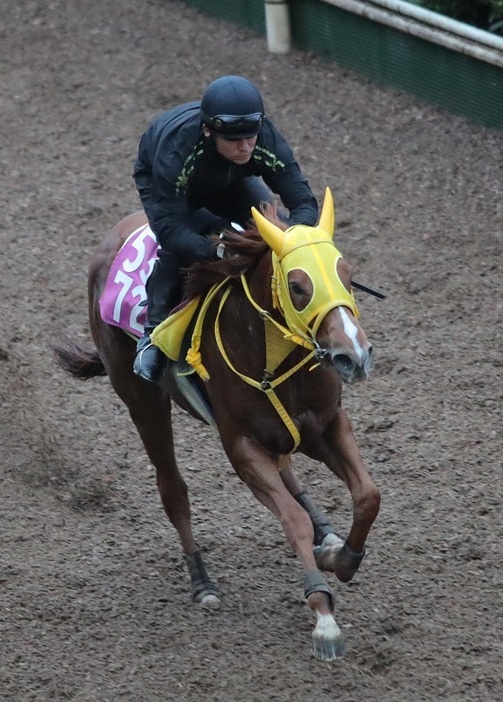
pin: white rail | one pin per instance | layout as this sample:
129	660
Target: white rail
400	15
439	21
427	25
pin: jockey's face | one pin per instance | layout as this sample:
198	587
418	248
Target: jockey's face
238	151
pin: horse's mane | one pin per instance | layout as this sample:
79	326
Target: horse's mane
243	251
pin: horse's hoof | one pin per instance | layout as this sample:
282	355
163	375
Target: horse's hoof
328	651
328	642
210	602
325	553
207	595
204	591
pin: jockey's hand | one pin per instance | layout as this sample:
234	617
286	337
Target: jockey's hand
221	246
221	252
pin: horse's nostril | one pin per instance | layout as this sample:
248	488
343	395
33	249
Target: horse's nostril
343	362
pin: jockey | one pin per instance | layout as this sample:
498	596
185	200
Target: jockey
201	166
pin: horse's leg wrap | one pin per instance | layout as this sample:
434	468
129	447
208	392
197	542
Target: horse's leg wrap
347	562
202	586
354	557
315	582
320	520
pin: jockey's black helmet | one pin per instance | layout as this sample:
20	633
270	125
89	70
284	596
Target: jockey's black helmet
233	107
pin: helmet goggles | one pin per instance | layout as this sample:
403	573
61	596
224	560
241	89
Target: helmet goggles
236	126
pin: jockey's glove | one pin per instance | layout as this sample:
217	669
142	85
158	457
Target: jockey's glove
220	250
221	246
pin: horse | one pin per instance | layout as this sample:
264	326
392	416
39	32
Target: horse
275	288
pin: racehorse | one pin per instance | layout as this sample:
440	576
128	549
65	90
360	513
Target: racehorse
276	288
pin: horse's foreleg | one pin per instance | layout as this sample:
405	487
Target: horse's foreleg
326	540
341	454
151	413
321	523
261	474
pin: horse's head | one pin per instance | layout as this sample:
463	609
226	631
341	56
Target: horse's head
312	288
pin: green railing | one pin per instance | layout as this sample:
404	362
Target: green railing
452	79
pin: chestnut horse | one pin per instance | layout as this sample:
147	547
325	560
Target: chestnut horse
297	284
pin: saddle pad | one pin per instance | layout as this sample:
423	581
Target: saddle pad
124	298
169	335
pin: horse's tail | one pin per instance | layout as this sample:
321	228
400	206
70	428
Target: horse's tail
80	362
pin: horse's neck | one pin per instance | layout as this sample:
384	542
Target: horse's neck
277	347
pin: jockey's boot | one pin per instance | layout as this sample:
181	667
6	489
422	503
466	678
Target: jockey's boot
163	293
150	362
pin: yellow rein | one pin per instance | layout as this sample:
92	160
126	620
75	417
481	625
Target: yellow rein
275	352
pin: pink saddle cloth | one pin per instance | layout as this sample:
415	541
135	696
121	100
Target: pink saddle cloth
124	297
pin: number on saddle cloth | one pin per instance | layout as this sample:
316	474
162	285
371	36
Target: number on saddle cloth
124	296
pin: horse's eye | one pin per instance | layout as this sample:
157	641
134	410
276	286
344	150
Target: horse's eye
296	288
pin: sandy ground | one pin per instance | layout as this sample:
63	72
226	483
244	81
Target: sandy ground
94	594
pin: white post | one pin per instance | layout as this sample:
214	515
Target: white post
277	22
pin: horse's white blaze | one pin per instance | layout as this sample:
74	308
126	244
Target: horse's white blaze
326	628
351	331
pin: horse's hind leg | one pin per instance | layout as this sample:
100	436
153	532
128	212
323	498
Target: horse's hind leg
150	410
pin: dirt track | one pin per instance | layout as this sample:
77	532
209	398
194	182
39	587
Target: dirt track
94	596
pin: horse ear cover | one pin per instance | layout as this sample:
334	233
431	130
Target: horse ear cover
327	217
270	233
275	238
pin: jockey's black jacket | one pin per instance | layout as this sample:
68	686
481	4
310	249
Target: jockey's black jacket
177	167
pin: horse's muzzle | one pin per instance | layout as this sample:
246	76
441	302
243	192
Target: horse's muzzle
350	367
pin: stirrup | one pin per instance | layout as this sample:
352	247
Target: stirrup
150	363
